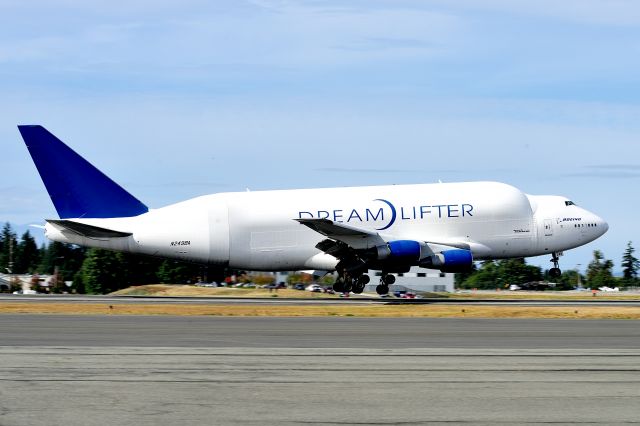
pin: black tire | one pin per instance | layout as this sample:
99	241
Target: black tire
364	280
389	279
382	289
357	289
338	287
555	272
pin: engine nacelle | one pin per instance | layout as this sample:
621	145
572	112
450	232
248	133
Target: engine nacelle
454	260
400	251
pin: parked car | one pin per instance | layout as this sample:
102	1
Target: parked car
273	286
315	288
298	286
214	284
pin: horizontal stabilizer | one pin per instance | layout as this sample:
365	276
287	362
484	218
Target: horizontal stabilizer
88	231
77	188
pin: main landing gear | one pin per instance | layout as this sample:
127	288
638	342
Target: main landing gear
346	283
385	281
555	272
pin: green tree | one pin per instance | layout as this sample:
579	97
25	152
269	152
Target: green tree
502	273
262	279
630	266
516	271
66	258
101	272
570	279
174	272
8	248
460	277
27	255
485	277
599	271
299	277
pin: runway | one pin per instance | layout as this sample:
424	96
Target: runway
317	332
164	370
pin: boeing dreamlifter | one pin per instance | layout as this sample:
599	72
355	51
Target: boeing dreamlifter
443	226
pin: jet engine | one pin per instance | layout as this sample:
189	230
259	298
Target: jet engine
454	260
400	251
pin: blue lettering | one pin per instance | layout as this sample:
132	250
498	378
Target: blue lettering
305	213
370	215
354	214
424	210
323	214
402	214
337	215
451	211
440	206
468	210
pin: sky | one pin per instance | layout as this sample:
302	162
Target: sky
177	99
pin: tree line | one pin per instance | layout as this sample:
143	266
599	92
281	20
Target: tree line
503	273
92	271
97	271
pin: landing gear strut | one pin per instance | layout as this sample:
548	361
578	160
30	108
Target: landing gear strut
359	283
345	283
385	281
555	272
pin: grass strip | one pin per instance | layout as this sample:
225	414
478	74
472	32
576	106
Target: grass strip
382	311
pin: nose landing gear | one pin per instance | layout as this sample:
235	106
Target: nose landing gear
555	272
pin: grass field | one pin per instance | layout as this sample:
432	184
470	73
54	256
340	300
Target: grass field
386	311
190	290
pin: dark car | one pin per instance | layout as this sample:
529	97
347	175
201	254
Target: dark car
298	286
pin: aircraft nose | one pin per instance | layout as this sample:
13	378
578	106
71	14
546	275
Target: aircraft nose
603	224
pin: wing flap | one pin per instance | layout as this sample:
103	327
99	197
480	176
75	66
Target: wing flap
356	238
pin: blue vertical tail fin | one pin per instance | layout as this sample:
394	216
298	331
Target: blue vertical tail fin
77	188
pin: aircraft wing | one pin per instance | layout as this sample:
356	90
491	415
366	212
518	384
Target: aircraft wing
355	238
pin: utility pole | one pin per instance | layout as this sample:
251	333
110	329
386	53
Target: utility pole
10	268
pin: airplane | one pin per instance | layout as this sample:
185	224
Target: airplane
351	230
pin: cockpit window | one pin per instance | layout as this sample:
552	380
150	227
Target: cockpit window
569	203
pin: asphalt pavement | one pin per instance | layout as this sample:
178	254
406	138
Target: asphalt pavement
159	370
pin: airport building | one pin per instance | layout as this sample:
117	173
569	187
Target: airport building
416	280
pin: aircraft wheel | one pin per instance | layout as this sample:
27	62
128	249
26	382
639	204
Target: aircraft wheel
382	289
338	286
363	280
555	272
389	279
357	289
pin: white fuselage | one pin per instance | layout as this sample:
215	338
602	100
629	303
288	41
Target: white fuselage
257	230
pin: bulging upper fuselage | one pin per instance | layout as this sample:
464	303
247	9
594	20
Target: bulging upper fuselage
258	230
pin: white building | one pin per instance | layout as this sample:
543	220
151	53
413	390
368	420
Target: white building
417	280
